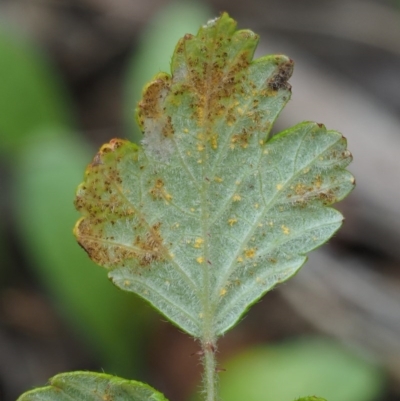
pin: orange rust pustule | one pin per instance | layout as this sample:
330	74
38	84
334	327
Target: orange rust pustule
101	200
113	145
157	192
149	106
327	197
151	246
303	194
98	195
89	240
241	139
279	79
168	129
214	80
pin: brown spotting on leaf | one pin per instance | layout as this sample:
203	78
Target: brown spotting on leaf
301	189
214	81
158	191
149	106
101	200
113	145
151	246
241	139
327	197
90	241
146	249
303	194
108	397
168	129
279	79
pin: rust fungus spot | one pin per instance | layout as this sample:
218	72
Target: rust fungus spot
241	139
168	130
90	241
236	198
106	148
198	243
279	79
116	143
158	191
232	221
213	79
317	182
214	141
151	248
149	106
250	253
327	197
300	189
80	202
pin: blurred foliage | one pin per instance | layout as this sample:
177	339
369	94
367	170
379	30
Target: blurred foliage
49	169
6	260
31	94
155	50
294	368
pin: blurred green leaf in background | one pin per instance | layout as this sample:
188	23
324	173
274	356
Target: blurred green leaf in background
294	368
32	96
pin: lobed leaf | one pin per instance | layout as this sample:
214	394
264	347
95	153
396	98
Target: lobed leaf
88	386
210	213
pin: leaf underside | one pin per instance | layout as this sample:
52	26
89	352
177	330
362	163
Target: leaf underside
89	386
210	213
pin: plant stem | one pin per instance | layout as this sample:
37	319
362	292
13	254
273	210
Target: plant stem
210	371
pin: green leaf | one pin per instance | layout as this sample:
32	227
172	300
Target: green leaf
303	366
311	398
87	386
210	213
31	95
